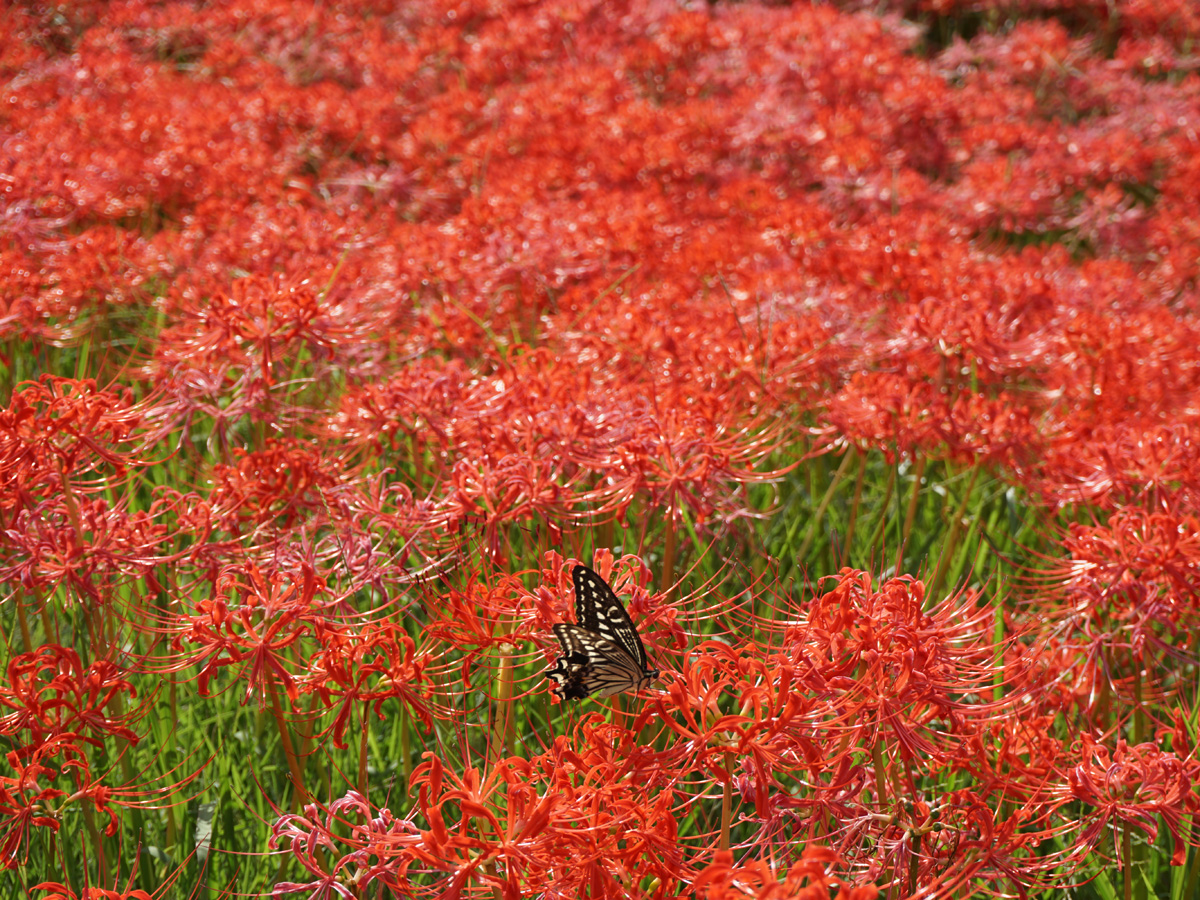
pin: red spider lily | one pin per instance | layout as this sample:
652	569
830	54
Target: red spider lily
422	399
262	617
472	620
260	321
25	803
65	437
515	446
980	251
686	460
516	488
86	546
368	667
128	892
830	736
884	663
525	825
1130	583
285	483
220	361
1157	550
561	821
883	410
770	729
62	892
374	844
811	878
51	693
1133	787
1126	463
1112	614
23	806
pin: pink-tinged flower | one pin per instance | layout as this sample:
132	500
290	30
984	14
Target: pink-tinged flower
346	848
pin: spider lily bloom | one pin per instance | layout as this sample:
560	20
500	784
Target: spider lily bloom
686	459
251	627
813	876
62	436
51	693
60	891
370	848
1133	786
24	806
369	665
886	666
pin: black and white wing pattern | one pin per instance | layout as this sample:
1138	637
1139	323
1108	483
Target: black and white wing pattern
603	654
598	609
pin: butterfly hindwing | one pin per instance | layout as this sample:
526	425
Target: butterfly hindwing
602	654
589	664
598	609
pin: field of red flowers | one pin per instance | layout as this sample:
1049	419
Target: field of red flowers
856	343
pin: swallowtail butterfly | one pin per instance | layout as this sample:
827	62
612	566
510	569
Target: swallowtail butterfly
603	654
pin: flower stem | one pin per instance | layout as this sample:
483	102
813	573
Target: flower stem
668	569
910	514
502	734
883	801
819	515
1127	860
858	489
289	750
362	754
727	801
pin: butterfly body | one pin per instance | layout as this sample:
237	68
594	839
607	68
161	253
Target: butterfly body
603	654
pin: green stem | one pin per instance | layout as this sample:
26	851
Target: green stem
880	774
858	489
604	533
502	734
815	524
910	515
1127	860
418	459
998	649
913	862
950	547
1193	874
883	801
1139	712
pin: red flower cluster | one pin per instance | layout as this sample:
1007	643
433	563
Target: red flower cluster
332	332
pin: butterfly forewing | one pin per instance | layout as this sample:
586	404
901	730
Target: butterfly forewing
598	609
603	654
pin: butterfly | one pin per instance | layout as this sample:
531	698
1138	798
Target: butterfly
603	654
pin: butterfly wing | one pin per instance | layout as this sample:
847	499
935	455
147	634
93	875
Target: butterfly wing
591	664
598	610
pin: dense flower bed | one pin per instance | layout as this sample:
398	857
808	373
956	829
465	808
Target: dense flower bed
332	333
